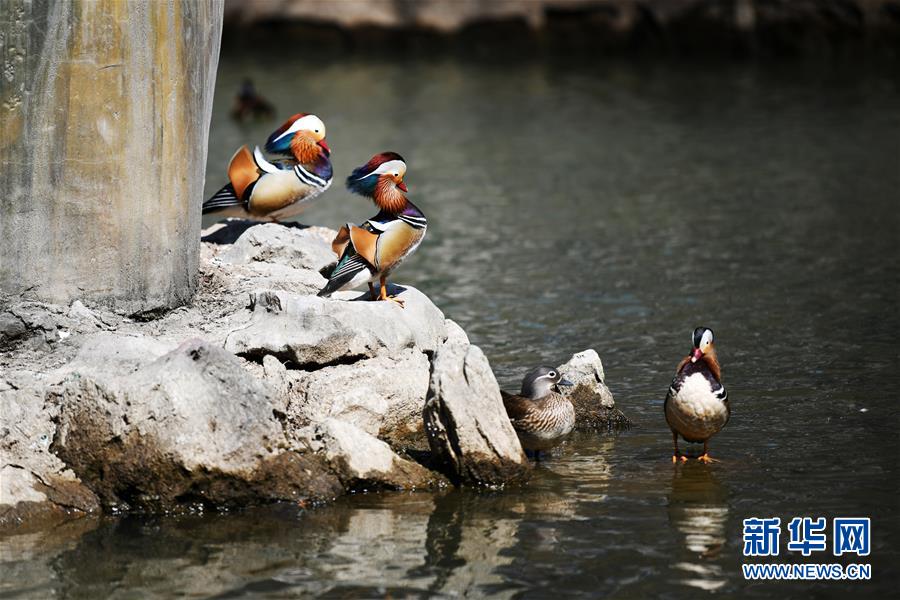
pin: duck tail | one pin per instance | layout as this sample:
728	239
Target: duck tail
348	268
224	198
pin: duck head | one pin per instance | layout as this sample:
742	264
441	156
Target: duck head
540	381
302	136
381	179
703	344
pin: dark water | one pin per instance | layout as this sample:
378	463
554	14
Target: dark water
613	206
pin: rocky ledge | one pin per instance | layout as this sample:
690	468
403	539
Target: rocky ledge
258	392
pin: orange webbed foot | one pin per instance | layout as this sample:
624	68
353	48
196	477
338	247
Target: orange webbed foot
383	295
677	457
706	458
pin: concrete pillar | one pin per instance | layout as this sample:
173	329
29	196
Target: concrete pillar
104	117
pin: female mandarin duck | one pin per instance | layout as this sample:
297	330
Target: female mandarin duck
372	251
541	416
697	404
266	191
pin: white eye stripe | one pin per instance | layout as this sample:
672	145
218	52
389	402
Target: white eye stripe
391	166
707	338
308	123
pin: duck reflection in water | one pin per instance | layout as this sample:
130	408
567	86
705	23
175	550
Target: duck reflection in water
698	511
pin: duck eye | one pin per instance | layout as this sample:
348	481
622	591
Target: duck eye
551	374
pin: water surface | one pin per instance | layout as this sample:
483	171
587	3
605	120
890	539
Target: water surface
614	206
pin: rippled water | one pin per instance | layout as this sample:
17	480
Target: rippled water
613	206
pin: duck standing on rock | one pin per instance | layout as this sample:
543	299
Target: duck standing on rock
541	415
377	247
274	191
696	406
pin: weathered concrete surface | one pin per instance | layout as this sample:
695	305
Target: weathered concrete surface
594	404
465	421
104	115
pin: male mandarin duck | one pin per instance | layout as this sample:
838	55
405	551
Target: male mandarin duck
273	191
377	247
541	416
697	404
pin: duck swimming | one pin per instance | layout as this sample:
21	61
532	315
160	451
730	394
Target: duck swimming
696	406
249	104
540	414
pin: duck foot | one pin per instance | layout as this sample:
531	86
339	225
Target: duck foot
677	457
391	299
706	458
383	295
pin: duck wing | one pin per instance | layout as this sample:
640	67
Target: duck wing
517	407
242	174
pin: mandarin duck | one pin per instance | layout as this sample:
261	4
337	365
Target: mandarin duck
249	104
273	191
540	414
696	406
374	249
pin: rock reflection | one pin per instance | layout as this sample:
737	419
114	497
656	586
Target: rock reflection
26	560
459	542
698	510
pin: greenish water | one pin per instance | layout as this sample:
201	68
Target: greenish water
613	206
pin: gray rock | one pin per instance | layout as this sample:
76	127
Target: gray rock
32	324
467	427
35	485
279	244
382	396
586	369
191	427
107	353
242	256
313	331
361	461
80	313
455	333
12	329
276	375
236	282
594	404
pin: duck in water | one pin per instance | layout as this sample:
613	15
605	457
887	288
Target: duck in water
376	248
696	406
540	414
248	104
